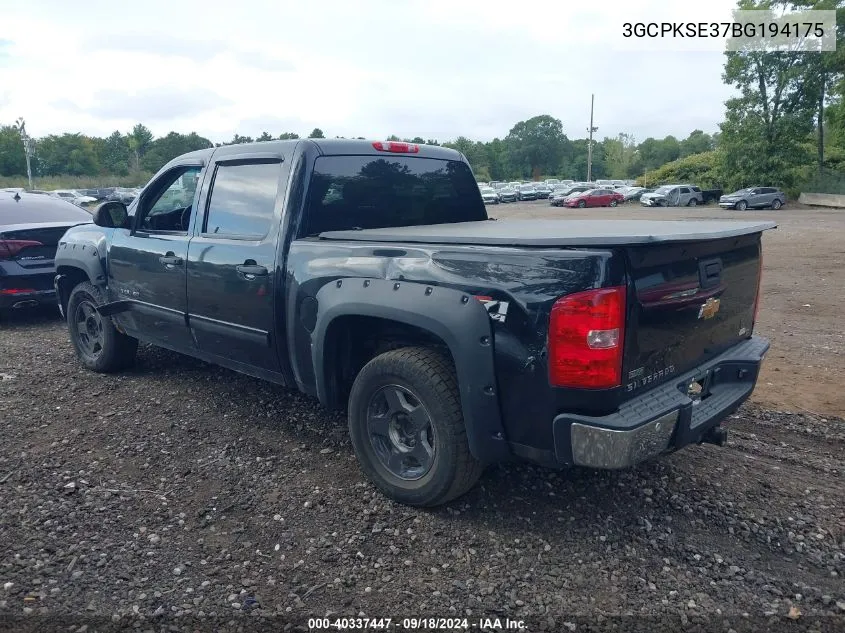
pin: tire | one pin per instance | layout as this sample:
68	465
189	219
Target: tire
613	203
692	202
581	204
742	205
776	204
102	348
428	386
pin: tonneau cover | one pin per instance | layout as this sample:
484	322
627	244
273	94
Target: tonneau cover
557	232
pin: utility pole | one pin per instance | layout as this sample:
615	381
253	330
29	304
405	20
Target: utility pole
27	148
590	130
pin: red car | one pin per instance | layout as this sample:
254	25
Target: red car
595	198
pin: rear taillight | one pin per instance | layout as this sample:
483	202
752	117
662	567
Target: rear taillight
396	147
10	248
586	332
759	283
16	291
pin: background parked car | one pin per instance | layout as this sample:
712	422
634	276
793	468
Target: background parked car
30	229
635	193
543	190
527	192
754	198
122	194
488	194
73	196
558	198
508	194
595	198
673	196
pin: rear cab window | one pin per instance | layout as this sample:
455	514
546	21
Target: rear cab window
367	192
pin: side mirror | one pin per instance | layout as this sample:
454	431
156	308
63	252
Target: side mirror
112	215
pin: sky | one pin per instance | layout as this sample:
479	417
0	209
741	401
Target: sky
431	68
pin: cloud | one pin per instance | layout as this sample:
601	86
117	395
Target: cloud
433	68
158	44
152	104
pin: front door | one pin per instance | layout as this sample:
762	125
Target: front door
148	263
232	272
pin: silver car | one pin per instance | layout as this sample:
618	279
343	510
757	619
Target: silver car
489	195
754	198
673	196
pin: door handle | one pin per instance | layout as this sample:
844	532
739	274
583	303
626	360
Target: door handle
251	270
171	260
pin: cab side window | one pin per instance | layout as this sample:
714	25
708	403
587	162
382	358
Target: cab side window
243	200
170	209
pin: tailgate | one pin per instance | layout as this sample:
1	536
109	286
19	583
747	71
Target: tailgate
693	300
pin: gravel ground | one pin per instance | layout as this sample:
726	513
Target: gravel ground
181	496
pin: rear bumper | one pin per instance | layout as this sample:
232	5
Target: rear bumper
664	419
27	299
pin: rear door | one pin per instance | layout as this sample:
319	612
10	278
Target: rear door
232	268
693	300
767	196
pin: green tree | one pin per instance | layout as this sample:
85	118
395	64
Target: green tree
620	154
765	126
703	169
72	154
162	150
139	139
115	155
824	77
288	136
696	143
12	157
317	133
265	136
537	145
237	139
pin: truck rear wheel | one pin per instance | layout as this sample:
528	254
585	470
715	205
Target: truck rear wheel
98	344
407	428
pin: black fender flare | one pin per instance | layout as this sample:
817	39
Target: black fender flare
79	255
455	317
85	256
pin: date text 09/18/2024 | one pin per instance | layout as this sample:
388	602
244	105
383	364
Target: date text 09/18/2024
417	624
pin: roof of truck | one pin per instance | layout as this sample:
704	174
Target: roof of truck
329	146
557	232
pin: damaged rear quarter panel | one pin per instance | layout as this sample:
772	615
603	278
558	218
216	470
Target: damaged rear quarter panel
517	285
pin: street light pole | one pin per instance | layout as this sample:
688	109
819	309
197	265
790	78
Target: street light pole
27	148
590	130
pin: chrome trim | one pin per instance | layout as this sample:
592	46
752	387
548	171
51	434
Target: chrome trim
596	447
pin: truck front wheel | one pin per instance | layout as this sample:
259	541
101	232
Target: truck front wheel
98	344
407	428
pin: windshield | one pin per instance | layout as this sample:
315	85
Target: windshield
526	187
664	189
741	191
486	191
366	192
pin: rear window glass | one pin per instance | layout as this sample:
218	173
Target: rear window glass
367	192
33	208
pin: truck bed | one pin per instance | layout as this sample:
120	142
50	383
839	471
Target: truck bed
557	232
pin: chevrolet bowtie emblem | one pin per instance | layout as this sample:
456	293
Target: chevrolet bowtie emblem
709	308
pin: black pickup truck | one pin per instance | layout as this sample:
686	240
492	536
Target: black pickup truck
368	274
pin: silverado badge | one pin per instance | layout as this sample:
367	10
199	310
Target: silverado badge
709	308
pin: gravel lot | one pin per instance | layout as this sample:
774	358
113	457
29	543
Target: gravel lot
184	495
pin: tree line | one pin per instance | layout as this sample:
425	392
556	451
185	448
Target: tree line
785	127
531	148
